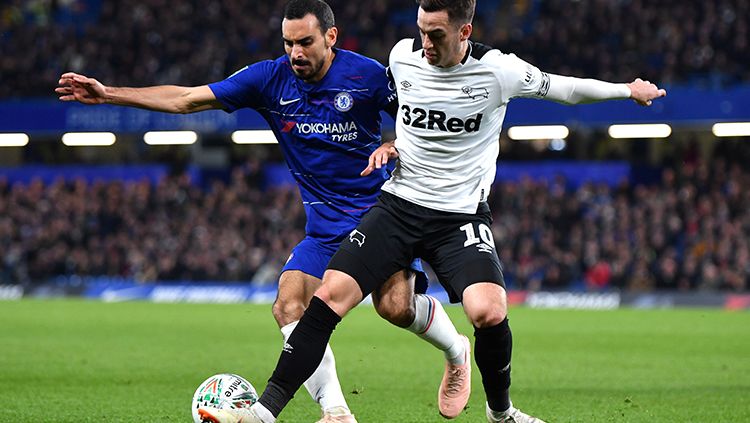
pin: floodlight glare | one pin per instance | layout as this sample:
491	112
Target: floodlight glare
264	136
658	130
88	139
732	129
170	137
547	132
13	140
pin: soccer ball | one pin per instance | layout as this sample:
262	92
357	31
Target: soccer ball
224	390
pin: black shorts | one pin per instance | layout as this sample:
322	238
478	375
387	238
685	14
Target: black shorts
459	247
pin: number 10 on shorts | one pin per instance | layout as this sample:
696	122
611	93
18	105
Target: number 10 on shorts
485	235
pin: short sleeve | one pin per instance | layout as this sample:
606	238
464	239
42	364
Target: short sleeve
244	88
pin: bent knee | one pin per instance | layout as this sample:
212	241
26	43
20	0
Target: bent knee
487	317
399	314
286	310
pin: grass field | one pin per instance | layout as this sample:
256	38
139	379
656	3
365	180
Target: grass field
79	361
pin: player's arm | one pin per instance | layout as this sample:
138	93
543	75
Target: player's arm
521	79
163	98
569	90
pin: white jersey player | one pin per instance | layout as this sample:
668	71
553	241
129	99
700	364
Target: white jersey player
450	119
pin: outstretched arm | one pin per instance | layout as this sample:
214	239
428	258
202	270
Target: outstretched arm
569	90
163	98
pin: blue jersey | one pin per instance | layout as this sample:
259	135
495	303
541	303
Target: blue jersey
327	131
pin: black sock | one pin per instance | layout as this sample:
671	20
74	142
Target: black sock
492	350
301	355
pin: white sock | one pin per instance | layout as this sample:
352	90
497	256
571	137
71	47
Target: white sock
432	324
323	385
262	412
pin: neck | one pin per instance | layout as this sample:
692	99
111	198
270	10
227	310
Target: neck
460	55
326	65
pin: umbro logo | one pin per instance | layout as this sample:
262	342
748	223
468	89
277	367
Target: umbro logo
288	348
484	248
406	85
286	102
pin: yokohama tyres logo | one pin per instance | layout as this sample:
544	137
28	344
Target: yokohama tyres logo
318	127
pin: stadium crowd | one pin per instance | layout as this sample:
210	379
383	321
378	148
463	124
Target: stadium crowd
171	231
191	42
690	231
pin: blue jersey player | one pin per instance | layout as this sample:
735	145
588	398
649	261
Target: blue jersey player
323	104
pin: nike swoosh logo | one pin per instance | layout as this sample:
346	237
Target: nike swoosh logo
285	102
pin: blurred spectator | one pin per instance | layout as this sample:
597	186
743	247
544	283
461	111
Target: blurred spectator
666	237
193	42
691	231
172	231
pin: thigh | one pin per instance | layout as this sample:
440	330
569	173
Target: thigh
296	286
461	251
293	296
395	298
380	246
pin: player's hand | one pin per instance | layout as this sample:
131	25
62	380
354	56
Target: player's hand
643	92
380	157
75	87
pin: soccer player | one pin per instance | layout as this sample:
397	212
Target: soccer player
453	95
323	105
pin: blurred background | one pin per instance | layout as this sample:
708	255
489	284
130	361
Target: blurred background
654	211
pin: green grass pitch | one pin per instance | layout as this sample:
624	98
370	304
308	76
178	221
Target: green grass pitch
81	361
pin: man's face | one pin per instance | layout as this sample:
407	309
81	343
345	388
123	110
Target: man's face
442	40
307	48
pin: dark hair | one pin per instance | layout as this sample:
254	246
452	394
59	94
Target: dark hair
459	11
298	9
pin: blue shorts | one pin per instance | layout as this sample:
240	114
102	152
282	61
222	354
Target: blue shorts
312	256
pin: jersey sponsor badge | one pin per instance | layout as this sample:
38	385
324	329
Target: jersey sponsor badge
343	102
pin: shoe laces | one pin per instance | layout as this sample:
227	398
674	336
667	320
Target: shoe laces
455	379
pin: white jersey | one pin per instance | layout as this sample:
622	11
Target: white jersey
449	122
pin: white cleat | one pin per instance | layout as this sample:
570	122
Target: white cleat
337	415
237	415
511	415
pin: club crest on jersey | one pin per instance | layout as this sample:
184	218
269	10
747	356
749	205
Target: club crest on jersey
343	102
476	93
357	237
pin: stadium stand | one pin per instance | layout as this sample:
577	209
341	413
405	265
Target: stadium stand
197	41
689	231
687	228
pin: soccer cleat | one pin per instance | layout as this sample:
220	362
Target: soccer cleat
237	415
337	415
456	385
511	415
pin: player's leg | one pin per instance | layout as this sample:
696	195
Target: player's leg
301	354
296	287
462	252
423	315
362	263
486	306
